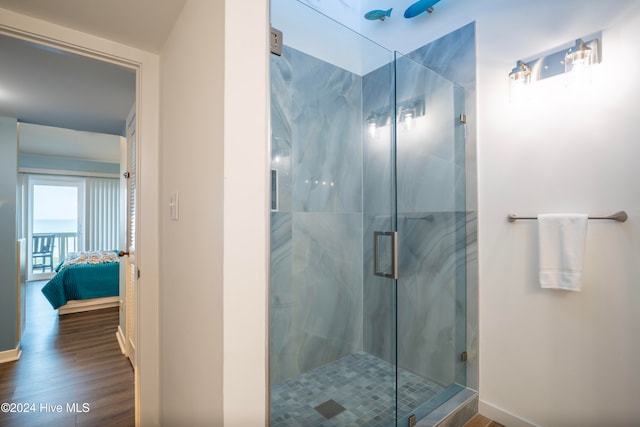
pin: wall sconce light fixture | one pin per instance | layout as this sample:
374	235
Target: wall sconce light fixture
575	58
519	78
406	113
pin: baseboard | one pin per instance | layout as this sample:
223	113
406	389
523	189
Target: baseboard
132	353
10	355
502	416
121	340
77	306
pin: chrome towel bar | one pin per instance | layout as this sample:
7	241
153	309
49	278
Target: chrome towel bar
620	216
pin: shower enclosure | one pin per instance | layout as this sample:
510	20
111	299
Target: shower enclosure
368	279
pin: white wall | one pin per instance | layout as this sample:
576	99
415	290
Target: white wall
550	357
192	149
214	153
246	211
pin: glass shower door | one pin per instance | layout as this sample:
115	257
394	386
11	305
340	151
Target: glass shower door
431	225
331	337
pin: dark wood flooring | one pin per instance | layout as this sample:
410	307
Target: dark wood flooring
73	361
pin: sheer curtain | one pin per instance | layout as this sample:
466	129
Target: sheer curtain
100	216
103	205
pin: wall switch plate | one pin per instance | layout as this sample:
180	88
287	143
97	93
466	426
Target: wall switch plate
174	206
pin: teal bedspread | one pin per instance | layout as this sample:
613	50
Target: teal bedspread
83	281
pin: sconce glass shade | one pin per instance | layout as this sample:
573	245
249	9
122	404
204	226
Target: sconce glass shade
580	55
406	115
521	74
579	61
371	125
519	78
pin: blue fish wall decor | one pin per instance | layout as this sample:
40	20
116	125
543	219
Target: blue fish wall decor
419	7
378	14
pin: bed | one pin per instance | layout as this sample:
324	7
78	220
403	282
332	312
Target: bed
85	281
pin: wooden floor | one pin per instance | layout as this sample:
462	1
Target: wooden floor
481	421
73	361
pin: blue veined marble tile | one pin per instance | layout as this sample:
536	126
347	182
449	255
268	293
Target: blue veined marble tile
281	133
282	336
326	135
426	150
471	271
284	341
327	284
452	56
425	184
280	259
427	294
378	150
281	93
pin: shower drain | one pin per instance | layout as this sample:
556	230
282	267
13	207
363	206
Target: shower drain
330	408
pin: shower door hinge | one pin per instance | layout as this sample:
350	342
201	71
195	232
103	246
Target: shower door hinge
276	42
412	421
463	118
464	356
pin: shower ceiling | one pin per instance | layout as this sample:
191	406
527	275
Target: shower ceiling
352	14
308	31
410	8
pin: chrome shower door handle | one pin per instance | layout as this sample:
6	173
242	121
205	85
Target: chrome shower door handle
394	254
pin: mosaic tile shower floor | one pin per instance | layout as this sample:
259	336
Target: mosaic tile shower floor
361	383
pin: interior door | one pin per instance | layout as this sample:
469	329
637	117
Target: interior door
128	267
122	245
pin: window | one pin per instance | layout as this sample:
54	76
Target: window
77	213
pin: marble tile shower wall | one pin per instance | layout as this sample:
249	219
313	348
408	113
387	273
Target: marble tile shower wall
316	232
454	57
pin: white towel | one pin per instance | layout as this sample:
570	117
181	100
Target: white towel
561	239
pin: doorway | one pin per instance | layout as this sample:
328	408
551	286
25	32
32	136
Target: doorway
147	69
54	232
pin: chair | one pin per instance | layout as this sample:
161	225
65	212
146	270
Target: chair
43	251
